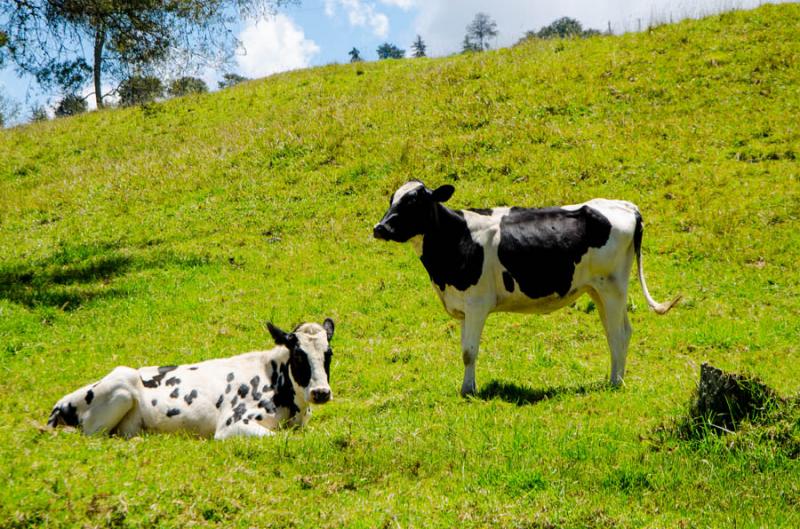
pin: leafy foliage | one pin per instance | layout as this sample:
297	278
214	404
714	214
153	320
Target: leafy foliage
231	79
139	89
38	113
418	47
71	105
187	85
57	40
390	51
355	55
561	28
479	32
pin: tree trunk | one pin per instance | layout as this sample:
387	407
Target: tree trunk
99	40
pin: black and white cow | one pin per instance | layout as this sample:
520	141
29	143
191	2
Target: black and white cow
246	395
522	260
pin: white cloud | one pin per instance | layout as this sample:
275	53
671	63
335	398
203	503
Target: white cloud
361	14
402	4
274	45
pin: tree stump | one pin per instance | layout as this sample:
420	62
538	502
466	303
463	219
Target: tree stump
725	399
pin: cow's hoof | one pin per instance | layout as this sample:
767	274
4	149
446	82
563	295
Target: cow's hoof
468	391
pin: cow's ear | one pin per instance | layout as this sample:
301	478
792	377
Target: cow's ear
328	326
281	337
443	193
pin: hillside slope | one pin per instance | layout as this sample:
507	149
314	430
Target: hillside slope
170	233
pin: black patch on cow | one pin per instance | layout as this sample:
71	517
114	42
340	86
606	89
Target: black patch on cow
219	401
508	281
238	412
243	390
89	396
68	414
268	406
540	247
228	388
246	421
190	397
274	376
172	381
328	357
637	233
154	402
254	382
175	393
486	212
230	377
229	421
284	394
156	380
256	395
234	400
449	254
301	369
193	368
173	412
265	389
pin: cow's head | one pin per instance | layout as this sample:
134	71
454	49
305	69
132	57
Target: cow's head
309	357
411	211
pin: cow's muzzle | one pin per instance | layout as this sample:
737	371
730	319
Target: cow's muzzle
320	395
380	231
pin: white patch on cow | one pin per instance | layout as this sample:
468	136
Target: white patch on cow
404	190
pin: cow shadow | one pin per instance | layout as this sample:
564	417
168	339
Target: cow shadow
524	395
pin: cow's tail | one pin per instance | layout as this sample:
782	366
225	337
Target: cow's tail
660	308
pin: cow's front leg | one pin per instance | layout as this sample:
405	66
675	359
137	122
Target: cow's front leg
241	428
471	328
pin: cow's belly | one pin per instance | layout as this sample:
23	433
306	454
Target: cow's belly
169	415
518	302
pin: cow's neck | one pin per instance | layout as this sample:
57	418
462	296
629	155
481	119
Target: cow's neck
448	252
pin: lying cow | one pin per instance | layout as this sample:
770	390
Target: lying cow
246	395
522	260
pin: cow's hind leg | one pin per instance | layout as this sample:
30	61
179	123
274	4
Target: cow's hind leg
471	329
611	303
102	406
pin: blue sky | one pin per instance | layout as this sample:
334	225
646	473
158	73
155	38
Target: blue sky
318	32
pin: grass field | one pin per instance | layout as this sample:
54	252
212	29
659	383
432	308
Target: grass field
170	233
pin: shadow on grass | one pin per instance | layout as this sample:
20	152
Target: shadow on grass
76	274
523	395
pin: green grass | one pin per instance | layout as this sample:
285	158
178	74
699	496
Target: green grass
170	233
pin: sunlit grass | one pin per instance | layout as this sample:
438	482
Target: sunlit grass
171	233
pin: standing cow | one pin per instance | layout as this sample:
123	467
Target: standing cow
246	395
522	260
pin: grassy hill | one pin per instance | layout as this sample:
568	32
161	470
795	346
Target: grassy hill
168	234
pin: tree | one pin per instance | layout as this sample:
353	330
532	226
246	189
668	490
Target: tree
561	28
47	38
187	85
355	55
390	51
8	110
140	89
419	47
231	79
479	31
467	46
38	113
71	105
